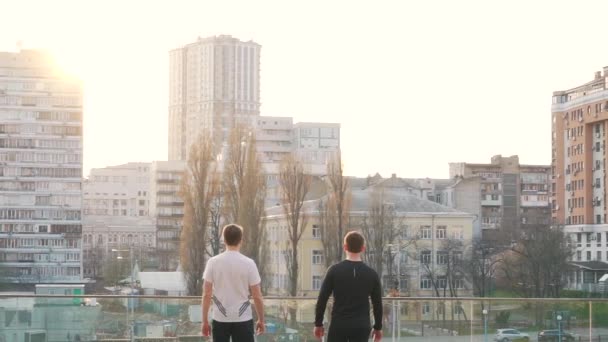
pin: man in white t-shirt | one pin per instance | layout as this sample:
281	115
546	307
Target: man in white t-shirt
229	278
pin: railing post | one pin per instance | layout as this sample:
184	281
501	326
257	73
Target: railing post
590	320
471	320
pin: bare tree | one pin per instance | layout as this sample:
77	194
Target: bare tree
329	232
198	191
338	206
295	185
481	264
379	227
216	216
245	192
536	263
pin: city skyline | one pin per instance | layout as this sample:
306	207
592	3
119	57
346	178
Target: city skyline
475	84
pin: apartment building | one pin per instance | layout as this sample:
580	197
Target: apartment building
578	119
214	83
167	210
121	190
40	170
512	195
102	234
429	224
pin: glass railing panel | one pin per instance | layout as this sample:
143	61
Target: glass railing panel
149	318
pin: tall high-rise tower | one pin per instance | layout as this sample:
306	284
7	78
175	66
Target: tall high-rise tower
40	170
213	83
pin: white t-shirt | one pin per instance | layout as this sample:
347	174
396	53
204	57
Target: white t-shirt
231	274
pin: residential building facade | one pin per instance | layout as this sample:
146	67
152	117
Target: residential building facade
121	190
102	234
423	231
167	210
513	195
40	170
579	118
213	84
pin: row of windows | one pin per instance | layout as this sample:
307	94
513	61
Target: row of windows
40	228
48	86
575	185
30	143
47	200
116	238
52	172
52	158
589	257
578	202
41	257
575	168
43	101
44	243
39	214
22	115
40	129
39	186
43	272
442	257
576	150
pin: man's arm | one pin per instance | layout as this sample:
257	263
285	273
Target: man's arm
326	290
258	303
376	296
207	293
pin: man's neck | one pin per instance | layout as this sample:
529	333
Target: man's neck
233	248
353	256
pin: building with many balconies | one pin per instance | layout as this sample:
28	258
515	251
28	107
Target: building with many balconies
167	210
40	170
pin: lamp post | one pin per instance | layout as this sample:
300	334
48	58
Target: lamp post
559	327
485	324
131	330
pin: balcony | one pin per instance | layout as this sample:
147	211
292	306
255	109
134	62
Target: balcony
170	318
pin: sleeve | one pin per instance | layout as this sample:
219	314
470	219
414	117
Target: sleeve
327	289
208	272
254	275
376	296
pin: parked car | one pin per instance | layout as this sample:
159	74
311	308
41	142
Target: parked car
509	335
553	335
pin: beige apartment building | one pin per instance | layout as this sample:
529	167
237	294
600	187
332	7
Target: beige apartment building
422	229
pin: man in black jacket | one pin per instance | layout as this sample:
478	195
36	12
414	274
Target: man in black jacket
352	283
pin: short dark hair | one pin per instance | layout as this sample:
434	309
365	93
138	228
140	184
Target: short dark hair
354	242
233	234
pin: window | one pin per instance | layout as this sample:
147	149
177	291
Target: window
442	258
442	282
588	255
578	255
405	232
316	282
495	197
441	232
317	257
316	231
599	256
425	283
457	257
425	232
459	283
426	308
425	257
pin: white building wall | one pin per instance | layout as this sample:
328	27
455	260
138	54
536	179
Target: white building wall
122	190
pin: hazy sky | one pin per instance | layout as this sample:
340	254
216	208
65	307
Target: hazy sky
415	84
